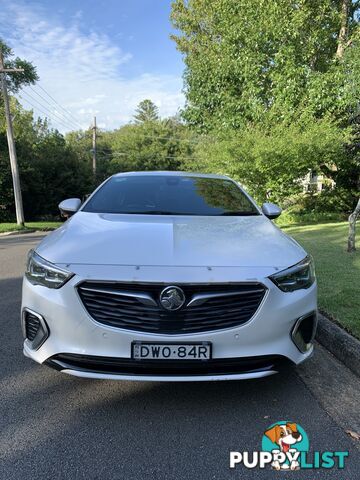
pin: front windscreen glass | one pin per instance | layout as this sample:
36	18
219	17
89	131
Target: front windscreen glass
170	195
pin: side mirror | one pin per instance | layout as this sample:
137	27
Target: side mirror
69	207
271	210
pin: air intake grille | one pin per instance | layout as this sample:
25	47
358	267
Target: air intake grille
32	325
136	306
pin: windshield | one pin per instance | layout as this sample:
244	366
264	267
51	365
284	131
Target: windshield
170	195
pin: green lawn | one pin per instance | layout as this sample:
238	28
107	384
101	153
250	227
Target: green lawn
12	227
338	272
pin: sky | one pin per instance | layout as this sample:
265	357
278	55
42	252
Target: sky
95	57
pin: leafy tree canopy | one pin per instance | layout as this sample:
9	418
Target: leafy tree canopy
155	145
50	169
255	60
275	85
271	164
17	80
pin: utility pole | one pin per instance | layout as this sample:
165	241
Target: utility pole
11	143
94	146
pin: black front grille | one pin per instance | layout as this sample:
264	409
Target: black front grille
32	325
116	304
127	366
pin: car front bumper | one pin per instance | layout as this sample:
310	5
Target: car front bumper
80	346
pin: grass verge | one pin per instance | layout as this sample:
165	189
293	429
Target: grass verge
13	227
288	219
338	272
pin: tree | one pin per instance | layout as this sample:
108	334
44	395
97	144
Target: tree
275	87
146	111
27	77
270	162
344	26
352	226
252	58
50	168
156	145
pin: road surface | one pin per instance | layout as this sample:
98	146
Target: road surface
54	426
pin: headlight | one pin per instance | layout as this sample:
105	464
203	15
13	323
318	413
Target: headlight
41	272
301	275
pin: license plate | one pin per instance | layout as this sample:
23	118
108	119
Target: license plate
171	351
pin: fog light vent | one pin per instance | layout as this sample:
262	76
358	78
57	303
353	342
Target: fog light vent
303	333
32	325
35	328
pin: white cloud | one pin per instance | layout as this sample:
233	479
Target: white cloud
82	71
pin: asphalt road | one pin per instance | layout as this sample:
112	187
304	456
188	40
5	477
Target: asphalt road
54	426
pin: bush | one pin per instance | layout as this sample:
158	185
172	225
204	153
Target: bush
270	161
50	169
290	218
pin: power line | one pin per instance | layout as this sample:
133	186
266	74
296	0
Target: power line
46	101
46	114
179	157
69	118
154	137
122	154
53	99
27	94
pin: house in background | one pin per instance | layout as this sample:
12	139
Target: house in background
314	182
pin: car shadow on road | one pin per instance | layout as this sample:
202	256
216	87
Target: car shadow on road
116	429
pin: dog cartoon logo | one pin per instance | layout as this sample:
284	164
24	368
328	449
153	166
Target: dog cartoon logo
286	440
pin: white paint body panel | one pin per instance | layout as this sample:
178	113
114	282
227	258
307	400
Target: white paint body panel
162	240
169	250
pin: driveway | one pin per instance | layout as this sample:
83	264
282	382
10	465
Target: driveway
54	426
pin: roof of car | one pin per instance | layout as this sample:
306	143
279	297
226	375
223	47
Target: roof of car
172	174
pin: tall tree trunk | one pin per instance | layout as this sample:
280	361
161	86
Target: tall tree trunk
343	33
352	226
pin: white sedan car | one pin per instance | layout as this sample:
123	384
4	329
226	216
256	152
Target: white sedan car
169	276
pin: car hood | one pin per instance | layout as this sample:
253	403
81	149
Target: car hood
145	240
